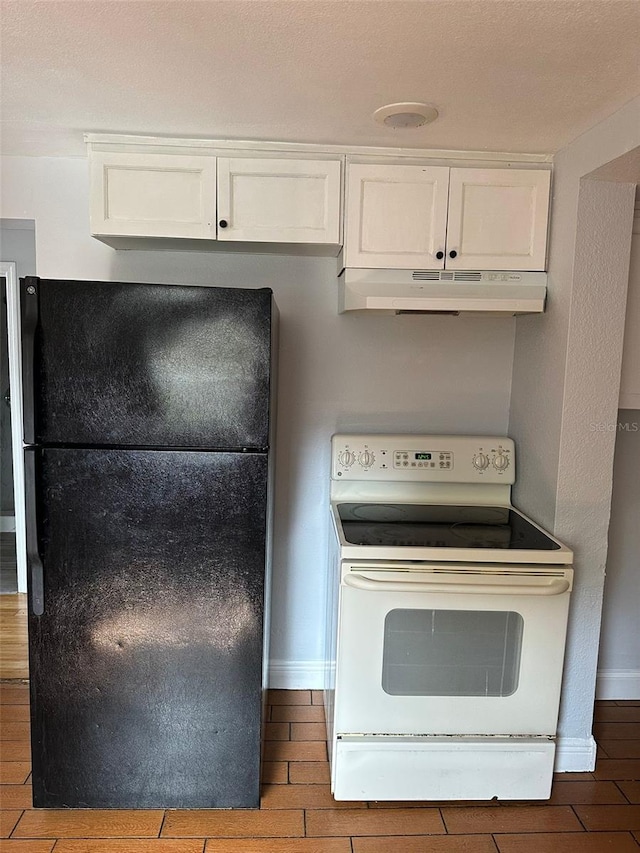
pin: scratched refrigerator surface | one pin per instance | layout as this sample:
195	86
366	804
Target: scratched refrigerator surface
148	423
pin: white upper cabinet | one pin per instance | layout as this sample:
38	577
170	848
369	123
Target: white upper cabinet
277	200
283	197
435	217
497	219
395	216
153	195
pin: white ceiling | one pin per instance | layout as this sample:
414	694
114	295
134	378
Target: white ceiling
506	75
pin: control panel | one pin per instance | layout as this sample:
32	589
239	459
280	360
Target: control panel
423	458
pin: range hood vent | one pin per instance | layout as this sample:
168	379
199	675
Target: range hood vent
425	275
489	292
445	275
467	276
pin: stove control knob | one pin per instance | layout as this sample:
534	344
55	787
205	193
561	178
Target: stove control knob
500	462
481	461
346	458
366	459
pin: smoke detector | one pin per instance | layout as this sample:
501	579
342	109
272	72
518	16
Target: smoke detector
405	115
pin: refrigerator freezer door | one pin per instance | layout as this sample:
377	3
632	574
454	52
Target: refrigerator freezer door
146	663
146	365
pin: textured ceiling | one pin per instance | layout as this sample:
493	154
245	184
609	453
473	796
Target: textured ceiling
506	75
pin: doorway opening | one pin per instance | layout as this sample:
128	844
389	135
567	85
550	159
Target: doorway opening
18	258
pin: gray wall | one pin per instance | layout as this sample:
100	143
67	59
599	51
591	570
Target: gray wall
337	373
620	640
566	380
619	661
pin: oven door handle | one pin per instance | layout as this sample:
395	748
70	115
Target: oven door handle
551	586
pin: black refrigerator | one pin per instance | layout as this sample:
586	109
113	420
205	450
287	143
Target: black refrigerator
149	414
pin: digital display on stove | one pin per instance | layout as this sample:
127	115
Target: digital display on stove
440	526
422	456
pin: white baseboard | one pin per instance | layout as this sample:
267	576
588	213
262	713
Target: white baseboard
297	674
575	755
618	684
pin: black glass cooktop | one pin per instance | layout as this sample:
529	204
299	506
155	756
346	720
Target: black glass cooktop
440	526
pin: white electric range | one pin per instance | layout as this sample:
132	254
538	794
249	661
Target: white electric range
448	614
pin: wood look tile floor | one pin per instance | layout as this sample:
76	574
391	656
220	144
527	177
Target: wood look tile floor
595	812
14	658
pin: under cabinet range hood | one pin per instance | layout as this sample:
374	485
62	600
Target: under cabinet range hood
399	291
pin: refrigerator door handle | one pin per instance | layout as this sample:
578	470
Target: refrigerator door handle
33	555
37	585
29	309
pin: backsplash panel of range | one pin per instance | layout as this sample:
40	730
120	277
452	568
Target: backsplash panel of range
447	621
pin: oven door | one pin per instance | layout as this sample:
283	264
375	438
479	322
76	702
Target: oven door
450	650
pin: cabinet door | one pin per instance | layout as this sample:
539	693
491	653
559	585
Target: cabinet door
153	195
497	219
279	201
396	216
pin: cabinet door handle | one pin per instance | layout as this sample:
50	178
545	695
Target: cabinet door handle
223	223
453	254
439	255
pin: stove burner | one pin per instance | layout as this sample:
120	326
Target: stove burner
378	512
483	535
385	534
439	535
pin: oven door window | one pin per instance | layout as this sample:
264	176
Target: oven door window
451	652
